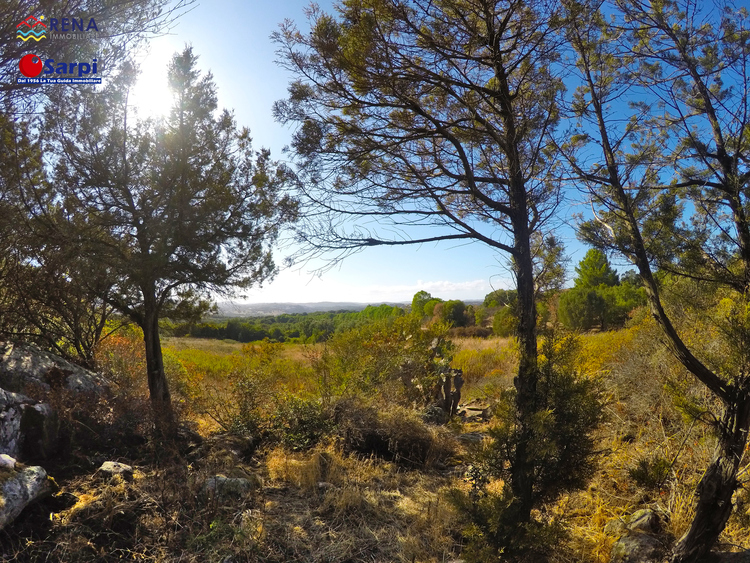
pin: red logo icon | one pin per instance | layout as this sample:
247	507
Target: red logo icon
30	65
36	30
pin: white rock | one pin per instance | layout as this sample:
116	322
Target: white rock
21	489
7	462
24	364
116	468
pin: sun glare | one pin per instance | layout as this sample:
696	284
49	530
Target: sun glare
151	96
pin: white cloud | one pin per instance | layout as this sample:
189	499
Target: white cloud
292	287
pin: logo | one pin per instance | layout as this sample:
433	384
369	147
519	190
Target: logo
31	28
73	28
31	67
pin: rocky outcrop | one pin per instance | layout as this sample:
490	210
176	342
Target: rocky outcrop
28	429
640	542
222	488
26	365
20	487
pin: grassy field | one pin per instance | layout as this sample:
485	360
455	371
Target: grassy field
319	496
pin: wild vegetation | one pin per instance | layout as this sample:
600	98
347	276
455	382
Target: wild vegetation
346	469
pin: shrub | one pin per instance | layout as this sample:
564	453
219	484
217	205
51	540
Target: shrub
394	359
651	473
394	434
429	306
562	445
452	313
470	332
299	423
504	322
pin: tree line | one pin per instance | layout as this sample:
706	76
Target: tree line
304	328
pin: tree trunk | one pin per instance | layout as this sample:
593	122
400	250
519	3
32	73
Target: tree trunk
717	486
161	401
522	476
447	386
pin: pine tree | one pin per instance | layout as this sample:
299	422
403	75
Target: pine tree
167	211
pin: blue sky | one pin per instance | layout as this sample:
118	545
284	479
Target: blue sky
232	40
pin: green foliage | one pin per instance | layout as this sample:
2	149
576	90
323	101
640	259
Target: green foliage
505	322
253	382
150	216
582	309
621	300
561	448
452	313
394	358
550	263
480	315
594	270
488	537
651	473
418	303
290	327
598	299
501	298
429	307
299	423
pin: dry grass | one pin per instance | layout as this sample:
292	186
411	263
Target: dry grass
327	505
203	344
488	365
366	510
297	352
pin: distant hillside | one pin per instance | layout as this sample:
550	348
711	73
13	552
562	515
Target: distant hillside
229	309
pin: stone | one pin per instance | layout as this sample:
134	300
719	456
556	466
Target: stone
23	365
222	488
112	468
644	520
7	462
28	429
615	527
637	547
11	412
435	414
40	427
18	489
638	542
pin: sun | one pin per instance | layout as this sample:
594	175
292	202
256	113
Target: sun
151	96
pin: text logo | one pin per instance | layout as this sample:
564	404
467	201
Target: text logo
31	28
73	28
32	66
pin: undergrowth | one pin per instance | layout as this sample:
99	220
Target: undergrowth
358	476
